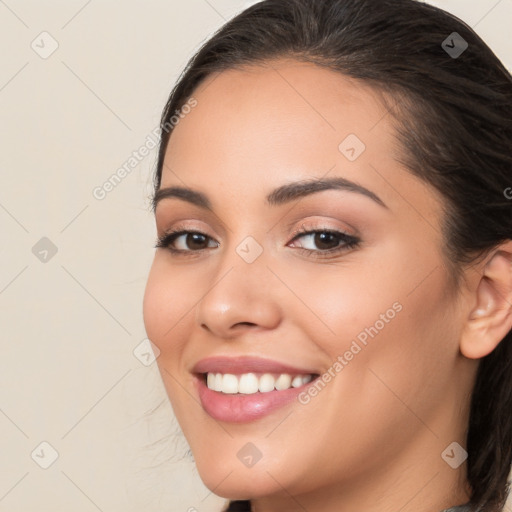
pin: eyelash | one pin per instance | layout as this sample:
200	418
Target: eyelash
348	241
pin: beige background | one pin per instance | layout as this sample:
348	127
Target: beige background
68	373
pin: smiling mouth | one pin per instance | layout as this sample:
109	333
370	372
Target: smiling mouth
240	389
252	383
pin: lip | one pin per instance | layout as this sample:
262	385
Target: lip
247	364
240	408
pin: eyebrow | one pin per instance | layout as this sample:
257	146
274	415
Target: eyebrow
281	195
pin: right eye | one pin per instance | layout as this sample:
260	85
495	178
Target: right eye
182	241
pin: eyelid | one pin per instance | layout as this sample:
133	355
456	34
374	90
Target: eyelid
187	225
192	218
303	229
320	223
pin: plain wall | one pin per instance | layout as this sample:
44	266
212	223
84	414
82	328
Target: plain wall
72	319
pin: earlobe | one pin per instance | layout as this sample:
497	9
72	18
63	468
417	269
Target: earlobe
490	319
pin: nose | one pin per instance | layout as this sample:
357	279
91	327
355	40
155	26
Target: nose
240	296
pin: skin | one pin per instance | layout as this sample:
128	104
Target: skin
372	439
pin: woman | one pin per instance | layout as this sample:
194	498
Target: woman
331	294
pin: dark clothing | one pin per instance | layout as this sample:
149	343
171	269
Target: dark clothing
245	506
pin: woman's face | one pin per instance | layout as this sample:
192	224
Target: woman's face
343	283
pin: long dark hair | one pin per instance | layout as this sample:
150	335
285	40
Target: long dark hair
453	113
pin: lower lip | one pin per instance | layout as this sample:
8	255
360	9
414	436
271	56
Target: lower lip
240	408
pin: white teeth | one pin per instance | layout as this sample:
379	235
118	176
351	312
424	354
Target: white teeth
296	382
266	383
217	385
250	383
284	381
229	384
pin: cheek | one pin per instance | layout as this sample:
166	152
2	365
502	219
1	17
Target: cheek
340	301
166	313
166	307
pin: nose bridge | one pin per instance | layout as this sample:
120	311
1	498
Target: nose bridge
239	291
242	265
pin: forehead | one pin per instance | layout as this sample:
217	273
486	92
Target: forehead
285	90
280	109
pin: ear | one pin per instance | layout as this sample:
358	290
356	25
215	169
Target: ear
490	319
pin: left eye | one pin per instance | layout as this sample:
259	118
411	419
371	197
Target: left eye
326	241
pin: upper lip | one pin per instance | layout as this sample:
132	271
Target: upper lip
246	364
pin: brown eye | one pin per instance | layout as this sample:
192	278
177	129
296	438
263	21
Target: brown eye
195	241
186	241
325	241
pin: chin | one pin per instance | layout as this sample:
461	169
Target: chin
233	483
242	488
